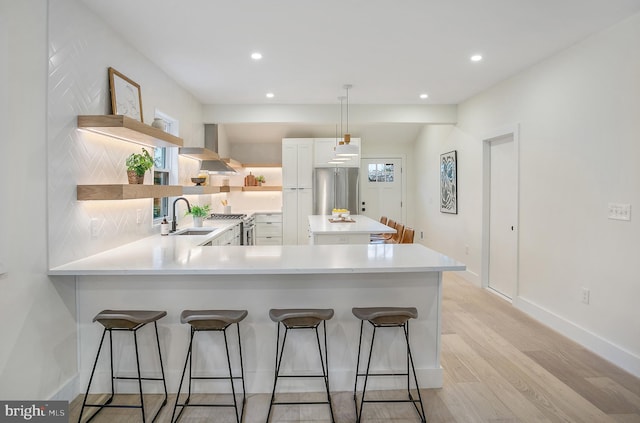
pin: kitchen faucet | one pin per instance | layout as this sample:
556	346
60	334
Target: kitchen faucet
173	221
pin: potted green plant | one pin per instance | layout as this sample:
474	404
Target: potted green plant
260	180
137	165
198	212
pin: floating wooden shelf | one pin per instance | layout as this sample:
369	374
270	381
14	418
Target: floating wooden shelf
127	129
261	164
233	163
126	191
263	188
208	189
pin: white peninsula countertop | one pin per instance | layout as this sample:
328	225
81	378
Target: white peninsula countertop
183	255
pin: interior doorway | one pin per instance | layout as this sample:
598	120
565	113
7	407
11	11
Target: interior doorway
500	217
381	192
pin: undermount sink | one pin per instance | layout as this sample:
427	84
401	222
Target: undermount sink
194	231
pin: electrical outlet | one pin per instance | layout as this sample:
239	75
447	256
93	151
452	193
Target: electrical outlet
421	235
94	228
139	216
617	211
585	295
466	249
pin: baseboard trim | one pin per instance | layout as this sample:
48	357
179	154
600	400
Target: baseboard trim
68	392
469	276
593	342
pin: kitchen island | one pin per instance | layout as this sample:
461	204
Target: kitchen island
174	273
356	229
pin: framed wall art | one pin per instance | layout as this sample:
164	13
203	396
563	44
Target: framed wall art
125	96
449	182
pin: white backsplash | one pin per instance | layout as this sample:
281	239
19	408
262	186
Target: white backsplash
79	56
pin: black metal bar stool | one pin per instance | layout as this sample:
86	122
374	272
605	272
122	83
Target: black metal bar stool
130	321
212	321
386	317
307	318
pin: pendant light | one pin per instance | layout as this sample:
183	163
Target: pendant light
335	159
344	148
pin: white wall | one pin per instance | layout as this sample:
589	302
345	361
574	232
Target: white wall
579	130
81	49
38	330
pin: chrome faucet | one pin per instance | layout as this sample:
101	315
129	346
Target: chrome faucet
173	221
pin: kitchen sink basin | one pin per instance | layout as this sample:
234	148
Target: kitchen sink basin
194	231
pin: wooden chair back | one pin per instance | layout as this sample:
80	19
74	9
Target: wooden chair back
392	224
398	235
407	236
383	220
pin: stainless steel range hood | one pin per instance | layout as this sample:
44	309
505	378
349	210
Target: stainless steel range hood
210	160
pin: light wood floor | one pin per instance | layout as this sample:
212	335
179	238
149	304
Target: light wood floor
499	366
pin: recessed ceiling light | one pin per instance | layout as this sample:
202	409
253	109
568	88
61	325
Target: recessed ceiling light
270	95
424	96
256	56
476	58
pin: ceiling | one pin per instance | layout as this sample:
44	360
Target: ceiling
391	51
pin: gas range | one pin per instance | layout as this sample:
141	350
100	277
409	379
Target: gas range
227	216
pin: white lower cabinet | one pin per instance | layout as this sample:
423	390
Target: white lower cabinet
230	236
268	228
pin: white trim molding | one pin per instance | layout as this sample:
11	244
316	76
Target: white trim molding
594	343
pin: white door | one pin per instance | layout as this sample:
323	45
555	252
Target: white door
502	274
381	188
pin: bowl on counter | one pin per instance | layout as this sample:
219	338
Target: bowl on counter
198	181
340	213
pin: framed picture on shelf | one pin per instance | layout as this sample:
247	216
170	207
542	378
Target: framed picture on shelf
126	98
449	182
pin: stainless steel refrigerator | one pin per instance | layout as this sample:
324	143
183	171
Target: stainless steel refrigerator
335	188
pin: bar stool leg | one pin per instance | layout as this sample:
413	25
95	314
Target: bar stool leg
355	385
423	416
164	379
184	371
233	389
366	375
325	364
93	370
135	341
244	391
279	354
113	379
239	413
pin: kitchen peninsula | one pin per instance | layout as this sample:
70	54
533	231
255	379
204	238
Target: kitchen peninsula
174	273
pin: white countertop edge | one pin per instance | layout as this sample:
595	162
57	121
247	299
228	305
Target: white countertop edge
251	272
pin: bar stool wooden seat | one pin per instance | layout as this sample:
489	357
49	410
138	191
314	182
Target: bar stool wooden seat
301	318
386	317
128	321
211	321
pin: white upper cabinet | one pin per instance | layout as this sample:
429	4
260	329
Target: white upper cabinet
297	162
324	152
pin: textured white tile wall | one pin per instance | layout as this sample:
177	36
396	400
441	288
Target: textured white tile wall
81	48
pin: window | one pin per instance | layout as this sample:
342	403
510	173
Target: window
381	172
165	171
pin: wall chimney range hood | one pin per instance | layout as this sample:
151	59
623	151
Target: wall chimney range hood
210	160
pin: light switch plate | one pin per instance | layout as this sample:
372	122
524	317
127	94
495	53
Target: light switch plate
619	211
